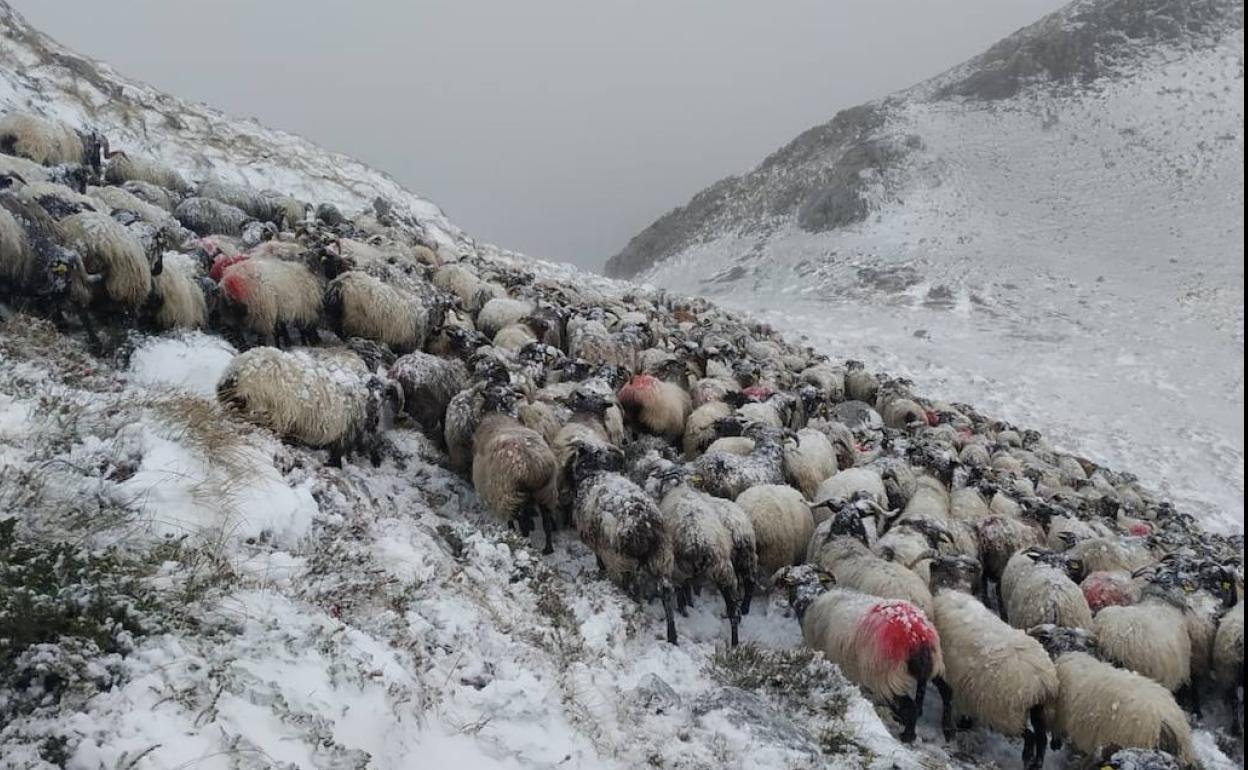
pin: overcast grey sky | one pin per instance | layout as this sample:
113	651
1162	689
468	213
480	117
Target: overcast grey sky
555	127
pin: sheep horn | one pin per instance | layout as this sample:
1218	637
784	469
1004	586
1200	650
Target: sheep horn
930	553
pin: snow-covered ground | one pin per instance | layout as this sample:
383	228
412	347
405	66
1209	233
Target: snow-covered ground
1071	260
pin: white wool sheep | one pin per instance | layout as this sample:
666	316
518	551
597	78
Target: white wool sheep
267	295
902	413
658	407
317	400
848	483
463	414
733	445
1102	589
122	168
253	202
513	471
429	383
1113	554
622	525
887	646
57	199
542	417
500	312
513	337
359	305
783	524
590	341
842	438
153	194
994	673
205	216
1099	705
21	167
839	545
47	142
460	281
809	461
109	249
827	378
1037	592
712	389
1150	638
1228	662
860	385
177	300
115	198
700	427
1000	537
712	539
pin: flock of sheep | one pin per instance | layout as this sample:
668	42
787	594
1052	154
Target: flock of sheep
1043	596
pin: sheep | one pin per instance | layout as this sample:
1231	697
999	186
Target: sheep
252	202
659	407
828	379
887	646
177	298
513	468
843	441
501	312
622	524
1036	590
712	539
108	249
1000	537
848	483
1228	663
429	383
122	168
839	545
860	385
700	427
265	297
1099	705
205	216
115	198
327	401
994	673
1113	758
36	268
809	461
1112	553
57	199
1105	588
1150	637
153	194
49	142
359	305
727	475
783	524
472	292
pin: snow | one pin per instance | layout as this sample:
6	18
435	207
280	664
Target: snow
193	361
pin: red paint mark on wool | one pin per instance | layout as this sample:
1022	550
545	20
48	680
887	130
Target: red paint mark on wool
899	629
758	392
236	287
222	262
637	388
1141	529
1103	589
933	418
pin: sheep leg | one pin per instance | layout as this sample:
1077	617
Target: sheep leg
734	614
946	706
1236	707
1189	695
907	712
309	335
1039	735
1000	600
548	527
665	595
748	585
335	456
93	335
282	333
682	606
602	567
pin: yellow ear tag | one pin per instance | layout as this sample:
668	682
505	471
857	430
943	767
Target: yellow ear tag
59	269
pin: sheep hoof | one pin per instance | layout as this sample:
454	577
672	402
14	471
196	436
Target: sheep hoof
948	734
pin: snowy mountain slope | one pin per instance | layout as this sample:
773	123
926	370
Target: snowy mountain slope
1065	234
257	609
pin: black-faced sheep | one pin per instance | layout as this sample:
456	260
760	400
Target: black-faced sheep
266	297
429	383
122	168
49	142
622	525
713	540
1228	663
324	401
658	407
109	249
783	525
205	216
887	646
839	545
726	474
359	305
1036	589
513	468
1099	705
994	673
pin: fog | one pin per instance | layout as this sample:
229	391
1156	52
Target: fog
555	127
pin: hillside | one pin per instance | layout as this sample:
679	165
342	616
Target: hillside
1075	192
181	589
